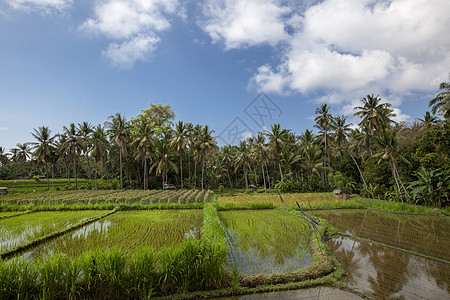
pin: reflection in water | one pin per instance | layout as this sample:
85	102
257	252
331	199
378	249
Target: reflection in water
384	273
422	234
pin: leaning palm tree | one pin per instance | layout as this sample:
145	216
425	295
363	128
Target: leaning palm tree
73	145
117	129
143	143
261	155
179	143
99	147
44	147
441	103
388	141
206	144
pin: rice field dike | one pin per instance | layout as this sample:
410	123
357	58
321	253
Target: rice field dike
189	244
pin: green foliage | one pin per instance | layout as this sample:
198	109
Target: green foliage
431	187
340	181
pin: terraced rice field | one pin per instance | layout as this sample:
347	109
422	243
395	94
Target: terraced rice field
22	229
8	214
127	230
422	234
266	241
109	196
289	199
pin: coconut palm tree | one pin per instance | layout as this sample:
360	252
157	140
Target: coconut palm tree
117	128
311	160
429	120
85	130
99	147
276	140
206	144
323	121
179	143
375	116
243	160
340	130
227	160
143	143
388	141
441	103
74	146
163	155
63	152
4	159
44	147
22	153
261	155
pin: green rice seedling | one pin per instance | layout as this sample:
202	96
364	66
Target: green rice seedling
25	228
199	197
143	276
192	196
267	241
182	198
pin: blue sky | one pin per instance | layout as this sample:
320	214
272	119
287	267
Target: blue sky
64	61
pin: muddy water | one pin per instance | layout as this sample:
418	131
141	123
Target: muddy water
422	234
385	273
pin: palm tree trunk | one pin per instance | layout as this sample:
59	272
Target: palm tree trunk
75	169
264	178
89	166
95	175
48	183
356	163
392	165
145	175
229	179
245	176
195	173
281	173
203	168
399	179
181	170
120	166
268	176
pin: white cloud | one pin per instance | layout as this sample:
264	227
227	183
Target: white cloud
3	128
246	22
348	49
125	54
132	25
42	6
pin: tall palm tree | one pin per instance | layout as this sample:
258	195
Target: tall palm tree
117	128
388	141
163	156
340	134
375	116
73	145
206	144
44	147
4	159
243	160
63	152
323	121
143	143
85	130
311	160
429	120
276	139
227	159
261	155
179	143
22	153
99	147
441	103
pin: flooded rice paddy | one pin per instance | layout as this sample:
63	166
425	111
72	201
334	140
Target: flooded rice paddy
266	241
383	272
426	235
22	229
127	230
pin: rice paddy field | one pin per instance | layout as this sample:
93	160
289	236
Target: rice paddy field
426	235
154	243
24	228
266	241
126	231
289	199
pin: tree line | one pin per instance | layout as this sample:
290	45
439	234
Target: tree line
407	162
